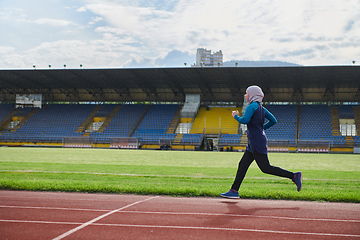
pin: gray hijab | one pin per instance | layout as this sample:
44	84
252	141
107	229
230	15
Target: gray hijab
255	94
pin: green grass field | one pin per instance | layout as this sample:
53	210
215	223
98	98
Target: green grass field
327	177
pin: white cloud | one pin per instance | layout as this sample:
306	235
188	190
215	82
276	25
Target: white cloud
53	22
81	9
135	32
252	30
95	20
12	14
110	30
6	50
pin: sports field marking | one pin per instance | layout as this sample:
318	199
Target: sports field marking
100	217
57	208
158	175
230	229
43	222
246	215
115	174
185	213
55	198
182	227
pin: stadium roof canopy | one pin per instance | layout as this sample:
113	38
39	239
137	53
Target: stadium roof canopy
214	84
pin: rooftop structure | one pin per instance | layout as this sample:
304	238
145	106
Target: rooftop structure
204	57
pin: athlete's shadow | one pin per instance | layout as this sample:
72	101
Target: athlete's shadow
240	214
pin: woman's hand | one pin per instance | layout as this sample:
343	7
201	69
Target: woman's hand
234	113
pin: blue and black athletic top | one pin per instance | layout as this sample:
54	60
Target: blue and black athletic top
254	117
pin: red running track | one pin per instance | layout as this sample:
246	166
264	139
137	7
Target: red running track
56	215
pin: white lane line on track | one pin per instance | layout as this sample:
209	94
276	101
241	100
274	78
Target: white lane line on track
246	215
43	222
57	208
230	229
98	218
184	213
187	227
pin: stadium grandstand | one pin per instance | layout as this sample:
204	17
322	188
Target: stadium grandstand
317	108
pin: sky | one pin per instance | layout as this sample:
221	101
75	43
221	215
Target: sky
167	33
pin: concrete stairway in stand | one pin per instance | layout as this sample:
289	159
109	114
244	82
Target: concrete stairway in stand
27	117
85	124
8	119
335	121
174	122
109	118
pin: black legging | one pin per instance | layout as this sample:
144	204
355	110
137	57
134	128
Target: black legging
263	162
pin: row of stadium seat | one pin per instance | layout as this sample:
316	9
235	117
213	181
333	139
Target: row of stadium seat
286	122
154	125
60	120
124	119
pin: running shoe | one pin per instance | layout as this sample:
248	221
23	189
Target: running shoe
230	194
298	180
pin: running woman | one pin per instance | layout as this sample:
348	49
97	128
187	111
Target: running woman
256	149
